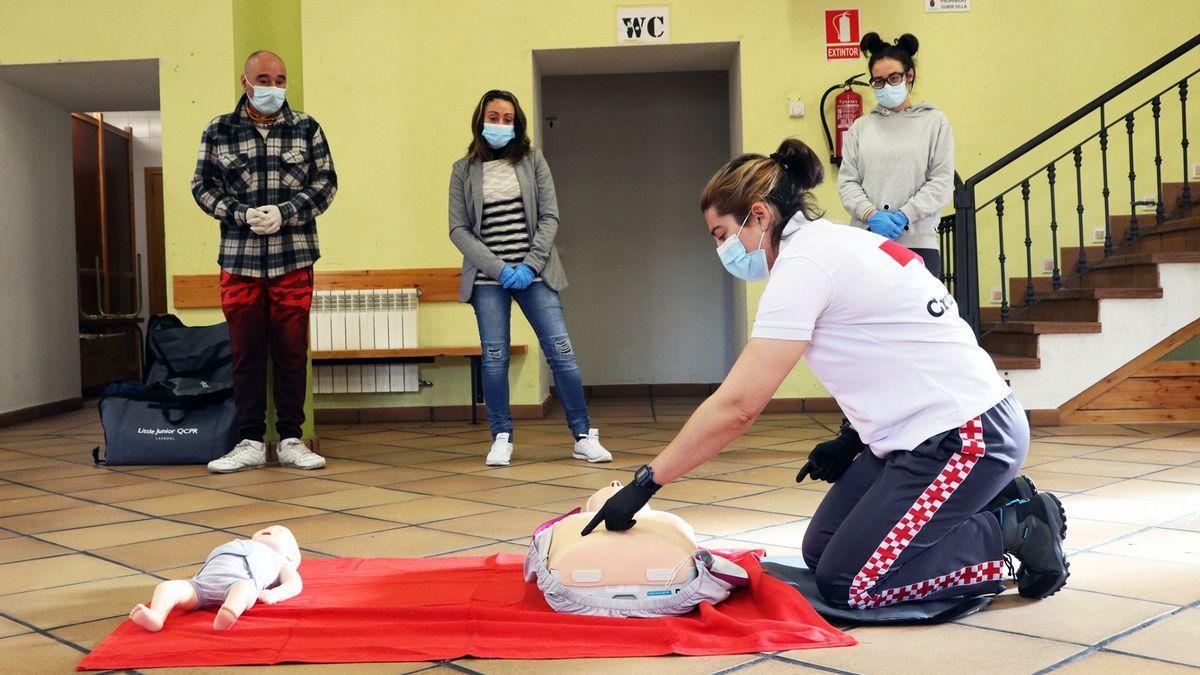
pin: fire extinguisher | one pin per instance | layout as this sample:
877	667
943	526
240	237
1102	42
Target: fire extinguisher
847	107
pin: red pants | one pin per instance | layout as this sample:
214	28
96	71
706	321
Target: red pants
269	314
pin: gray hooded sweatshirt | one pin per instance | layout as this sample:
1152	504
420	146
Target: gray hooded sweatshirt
903	161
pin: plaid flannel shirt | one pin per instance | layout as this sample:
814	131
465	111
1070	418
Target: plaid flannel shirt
238	169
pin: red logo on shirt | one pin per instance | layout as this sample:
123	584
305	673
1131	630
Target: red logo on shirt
898	253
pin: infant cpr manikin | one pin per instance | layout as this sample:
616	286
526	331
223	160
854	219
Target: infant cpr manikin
653	569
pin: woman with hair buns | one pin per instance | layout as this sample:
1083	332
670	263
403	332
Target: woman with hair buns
897	171
933	507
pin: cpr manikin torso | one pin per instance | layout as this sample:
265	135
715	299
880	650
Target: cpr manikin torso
651	560
653	569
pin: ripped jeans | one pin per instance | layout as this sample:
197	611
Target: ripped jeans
543	309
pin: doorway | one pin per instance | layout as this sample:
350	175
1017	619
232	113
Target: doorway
99	128
632	136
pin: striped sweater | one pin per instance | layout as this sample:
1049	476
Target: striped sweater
503	230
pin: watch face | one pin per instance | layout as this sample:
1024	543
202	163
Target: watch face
642	475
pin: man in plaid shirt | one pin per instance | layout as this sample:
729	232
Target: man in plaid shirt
265	172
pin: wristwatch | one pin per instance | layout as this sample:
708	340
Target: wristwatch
644	478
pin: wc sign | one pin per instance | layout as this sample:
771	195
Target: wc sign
841	34
641	25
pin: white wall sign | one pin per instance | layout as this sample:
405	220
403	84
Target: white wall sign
947	5
643	24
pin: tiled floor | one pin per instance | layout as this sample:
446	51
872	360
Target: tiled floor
79	545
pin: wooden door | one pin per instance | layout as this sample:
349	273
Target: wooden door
156	249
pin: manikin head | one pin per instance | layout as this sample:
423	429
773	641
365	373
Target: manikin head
282	541
602	495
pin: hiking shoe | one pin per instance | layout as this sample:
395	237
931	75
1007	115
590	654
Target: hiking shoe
501	451
1033	533
294	453
589	448
1018	491
247	454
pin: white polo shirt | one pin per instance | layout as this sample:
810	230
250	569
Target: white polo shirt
886	338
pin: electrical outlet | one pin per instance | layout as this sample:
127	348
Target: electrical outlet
1148	203
1196	170
1098	234
795	107
996	295
1048	265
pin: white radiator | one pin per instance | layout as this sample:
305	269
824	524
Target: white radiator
364	320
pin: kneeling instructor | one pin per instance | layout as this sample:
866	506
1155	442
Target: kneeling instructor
934	506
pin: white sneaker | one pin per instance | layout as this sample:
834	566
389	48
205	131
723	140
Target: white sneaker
501	451
247	454
293	452
589	448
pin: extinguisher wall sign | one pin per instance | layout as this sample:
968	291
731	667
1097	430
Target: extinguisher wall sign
841	34
847	107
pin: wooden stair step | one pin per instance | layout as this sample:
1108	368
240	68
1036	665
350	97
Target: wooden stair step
1044	327
1015	362
1013	344
1175	224
1172	193
1132	259
1068	309
1101	294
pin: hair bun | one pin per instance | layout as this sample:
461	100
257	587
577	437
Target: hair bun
800	162
871	43
908	42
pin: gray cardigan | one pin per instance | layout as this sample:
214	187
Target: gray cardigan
541	217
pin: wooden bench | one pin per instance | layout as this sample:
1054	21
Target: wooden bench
436	284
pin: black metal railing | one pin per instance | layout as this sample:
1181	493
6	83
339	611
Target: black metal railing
962	235
946	248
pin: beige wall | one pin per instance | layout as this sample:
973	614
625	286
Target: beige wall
39	327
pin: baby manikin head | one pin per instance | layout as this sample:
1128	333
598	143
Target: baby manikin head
602	495
282	541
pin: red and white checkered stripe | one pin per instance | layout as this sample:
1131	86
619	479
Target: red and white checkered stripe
920	513
973	574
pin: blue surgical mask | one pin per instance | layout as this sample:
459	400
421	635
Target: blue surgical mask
498	135
267	100
892	95
747	266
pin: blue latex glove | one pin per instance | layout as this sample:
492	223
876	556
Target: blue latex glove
899	218
507	276
883	223
524	277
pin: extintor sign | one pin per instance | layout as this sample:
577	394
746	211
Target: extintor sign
841	34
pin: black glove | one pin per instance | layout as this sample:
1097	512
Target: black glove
829	460
617	512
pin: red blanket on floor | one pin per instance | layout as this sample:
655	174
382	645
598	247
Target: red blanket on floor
426	609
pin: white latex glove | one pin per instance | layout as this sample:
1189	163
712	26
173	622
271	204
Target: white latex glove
253	216
269	222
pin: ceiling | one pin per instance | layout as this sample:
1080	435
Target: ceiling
89	86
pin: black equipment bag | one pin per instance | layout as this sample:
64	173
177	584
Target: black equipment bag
183	413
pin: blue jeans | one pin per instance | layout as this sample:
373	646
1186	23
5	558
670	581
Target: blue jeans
543	309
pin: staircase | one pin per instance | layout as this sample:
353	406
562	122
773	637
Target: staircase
1132	273
1068	342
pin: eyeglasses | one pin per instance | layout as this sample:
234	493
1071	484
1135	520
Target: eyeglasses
893	79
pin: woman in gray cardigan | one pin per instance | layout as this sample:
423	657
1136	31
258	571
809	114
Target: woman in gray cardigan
503	217
897	171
